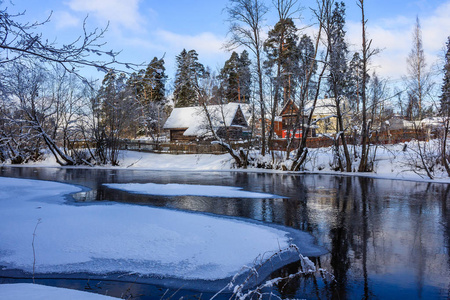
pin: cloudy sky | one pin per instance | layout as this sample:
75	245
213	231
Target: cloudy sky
143	29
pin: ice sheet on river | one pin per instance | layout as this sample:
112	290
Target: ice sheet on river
123	238
173	189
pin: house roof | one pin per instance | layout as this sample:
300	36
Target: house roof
194	119
324	107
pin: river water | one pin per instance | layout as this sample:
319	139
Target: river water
387	239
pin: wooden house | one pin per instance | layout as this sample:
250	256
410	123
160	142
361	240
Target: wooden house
191	123
324	117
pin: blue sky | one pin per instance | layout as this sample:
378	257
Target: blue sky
144	29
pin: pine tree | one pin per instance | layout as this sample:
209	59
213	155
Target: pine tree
117	116
230	79
149	89
354	86
282	53
236	78
155	81
189	71
306	53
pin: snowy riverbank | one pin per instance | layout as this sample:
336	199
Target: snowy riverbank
392	162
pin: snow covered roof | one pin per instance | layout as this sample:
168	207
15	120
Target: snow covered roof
432	122
327	106
195	121
324	107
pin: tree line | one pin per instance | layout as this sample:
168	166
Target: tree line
46	103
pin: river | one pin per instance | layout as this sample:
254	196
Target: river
387	239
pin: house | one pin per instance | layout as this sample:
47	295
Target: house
288	120
324	117
191	123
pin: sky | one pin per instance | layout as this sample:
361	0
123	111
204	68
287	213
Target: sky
143	29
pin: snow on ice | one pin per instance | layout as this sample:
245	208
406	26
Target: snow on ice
123	238
173	189
26	291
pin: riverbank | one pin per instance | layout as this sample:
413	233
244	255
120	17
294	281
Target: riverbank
397	162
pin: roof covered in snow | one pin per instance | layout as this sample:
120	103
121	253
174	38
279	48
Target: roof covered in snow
327	106
195	121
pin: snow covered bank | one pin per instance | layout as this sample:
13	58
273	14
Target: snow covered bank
26	291
391	163
127	239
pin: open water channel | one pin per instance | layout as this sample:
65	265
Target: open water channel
386	239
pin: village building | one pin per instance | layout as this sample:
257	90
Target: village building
191	123
324	118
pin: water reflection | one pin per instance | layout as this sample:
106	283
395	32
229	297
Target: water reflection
387	239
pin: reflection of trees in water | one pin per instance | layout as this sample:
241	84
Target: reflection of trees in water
445	207
371	227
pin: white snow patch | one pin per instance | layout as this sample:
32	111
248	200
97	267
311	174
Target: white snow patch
28	291
173	189
123	238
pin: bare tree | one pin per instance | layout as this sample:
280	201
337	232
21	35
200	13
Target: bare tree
367	53
246	18
34	110
302	151
19	41
215	119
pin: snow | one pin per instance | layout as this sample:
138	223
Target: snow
188	190
391	162
122	238
195	121
27	291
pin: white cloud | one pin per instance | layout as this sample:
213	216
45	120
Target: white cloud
119	13
205	42
394	38
65	19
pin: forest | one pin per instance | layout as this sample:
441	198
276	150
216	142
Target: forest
47	106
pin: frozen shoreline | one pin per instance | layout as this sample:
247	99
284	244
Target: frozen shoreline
392	164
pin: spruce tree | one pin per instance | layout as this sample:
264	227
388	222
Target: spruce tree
445	96
245	77
338	77
189	72
445	109
338	52
236	78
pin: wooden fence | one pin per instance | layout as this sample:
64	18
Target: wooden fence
392	137
378	138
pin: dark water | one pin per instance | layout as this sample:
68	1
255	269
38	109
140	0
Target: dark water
386	239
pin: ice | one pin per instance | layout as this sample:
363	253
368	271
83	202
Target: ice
124	238
188	190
